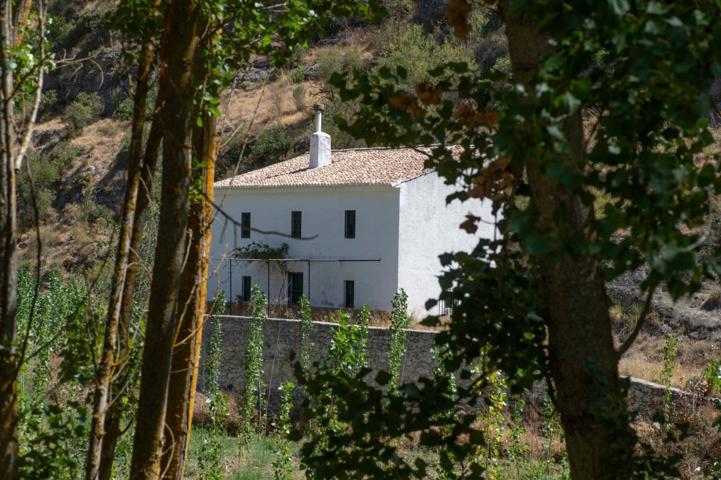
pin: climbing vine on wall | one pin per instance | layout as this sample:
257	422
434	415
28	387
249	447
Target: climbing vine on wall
397	348
252	398
306	330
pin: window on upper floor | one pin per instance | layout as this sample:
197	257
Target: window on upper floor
349	294
295	224
350	224
245	225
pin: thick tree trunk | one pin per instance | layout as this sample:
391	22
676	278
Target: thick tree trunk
193	292
8	262
106	370
583	362
179	53
114	416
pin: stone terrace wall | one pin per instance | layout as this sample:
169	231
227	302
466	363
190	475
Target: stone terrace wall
282	341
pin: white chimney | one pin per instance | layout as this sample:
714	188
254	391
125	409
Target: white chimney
319	142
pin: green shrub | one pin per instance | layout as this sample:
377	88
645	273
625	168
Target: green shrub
712	374
83	111
407	45
397	348
338	59
48	102
272	145
298	74
124	109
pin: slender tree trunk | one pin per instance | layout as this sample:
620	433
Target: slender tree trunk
180	52
193	292
106	370
583	362
8	262
114	416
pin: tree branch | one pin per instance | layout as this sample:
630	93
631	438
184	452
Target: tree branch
38	94
639	323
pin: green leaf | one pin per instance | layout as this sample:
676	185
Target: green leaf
619	7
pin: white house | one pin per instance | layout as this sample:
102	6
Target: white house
359	225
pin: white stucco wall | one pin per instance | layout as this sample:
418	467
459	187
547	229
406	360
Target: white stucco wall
323	215
428	228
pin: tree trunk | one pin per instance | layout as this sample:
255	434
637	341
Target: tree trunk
180	52
193	292
106	370
114	415
8	262
589	395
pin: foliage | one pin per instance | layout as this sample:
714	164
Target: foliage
712	374
47	170
492	424
298	74
397	347
272	145
670	351
54	426
84	110
252	393
406	45
306	331
283	464
124	109
256	250
210	456
347	350
336	59
48	103
55	436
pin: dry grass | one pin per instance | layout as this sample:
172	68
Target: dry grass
645	360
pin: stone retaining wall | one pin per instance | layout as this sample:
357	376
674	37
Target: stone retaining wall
282	349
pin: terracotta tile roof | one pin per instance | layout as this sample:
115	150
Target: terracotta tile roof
359	166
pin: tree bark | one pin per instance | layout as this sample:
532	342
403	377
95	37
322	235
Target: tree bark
180	52
193	292
114	416
589	395
8	261
107	368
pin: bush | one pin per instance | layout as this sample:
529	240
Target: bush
407	45
124	110
338	59
272	145
48	101
298	74
83	111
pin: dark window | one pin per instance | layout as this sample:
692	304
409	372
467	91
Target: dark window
295	224
245	225
349	294
246	288
295	287
350	224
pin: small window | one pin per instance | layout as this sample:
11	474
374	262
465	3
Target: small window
246	288
245	225
350	224
349	294
295	224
